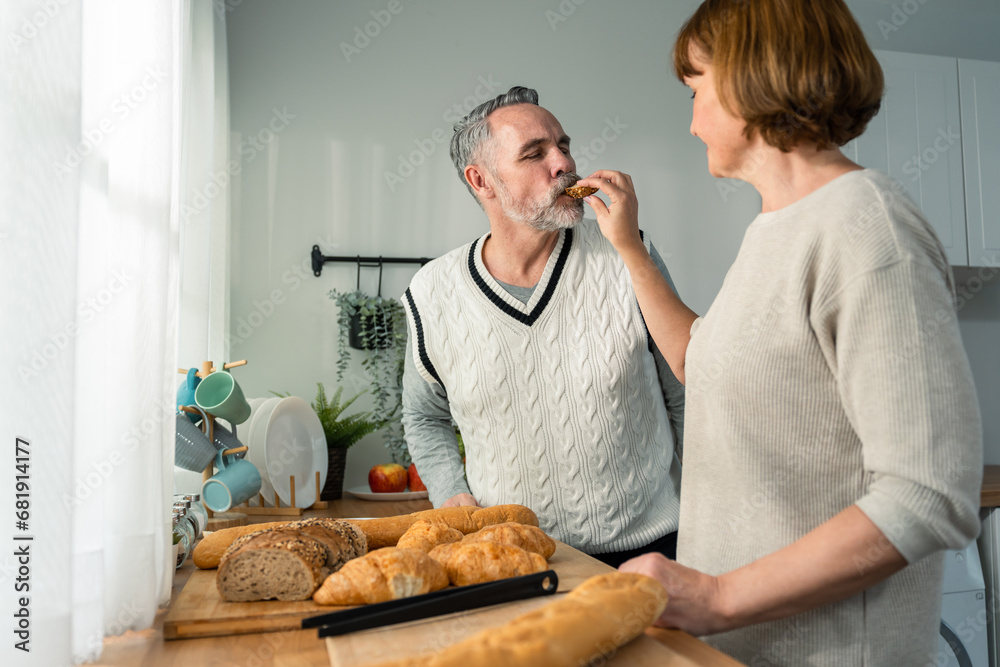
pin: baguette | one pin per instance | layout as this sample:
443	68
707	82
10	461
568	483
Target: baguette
386	574
384	532
588	625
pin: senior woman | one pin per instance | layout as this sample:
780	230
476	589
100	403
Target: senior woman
833	444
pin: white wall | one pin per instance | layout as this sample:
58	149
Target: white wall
322	178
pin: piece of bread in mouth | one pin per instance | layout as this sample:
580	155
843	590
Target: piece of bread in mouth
580	192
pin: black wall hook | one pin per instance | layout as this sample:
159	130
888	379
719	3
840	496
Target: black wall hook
319	259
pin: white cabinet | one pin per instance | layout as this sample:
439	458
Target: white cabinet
917	139
980	91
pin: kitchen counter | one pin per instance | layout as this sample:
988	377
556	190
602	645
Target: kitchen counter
990	495
301	648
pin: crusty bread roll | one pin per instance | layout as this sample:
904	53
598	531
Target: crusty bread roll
529	538
589	623
476	562
273	565
425	535
384	532
386	574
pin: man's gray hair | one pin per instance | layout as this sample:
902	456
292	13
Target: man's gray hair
470	143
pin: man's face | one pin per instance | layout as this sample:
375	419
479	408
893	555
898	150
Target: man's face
532	166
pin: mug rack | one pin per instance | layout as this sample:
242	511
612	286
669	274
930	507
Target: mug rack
220	520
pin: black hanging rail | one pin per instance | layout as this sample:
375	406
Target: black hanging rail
319	259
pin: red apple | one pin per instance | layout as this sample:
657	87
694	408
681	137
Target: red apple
413	479
387	478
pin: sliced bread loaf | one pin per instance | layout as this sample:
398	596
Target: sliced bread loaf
273	565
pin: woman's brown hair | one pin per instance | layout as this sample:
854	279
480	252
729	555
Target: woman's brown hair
797	71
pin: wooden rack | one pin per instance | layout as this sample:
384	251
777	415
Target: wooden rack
218	521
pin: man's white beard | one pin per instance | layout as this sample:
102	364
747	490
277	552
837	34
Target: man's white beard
547	215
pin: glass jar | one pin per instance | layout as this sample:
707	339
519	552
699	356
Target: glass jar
181	540
184	533
198	512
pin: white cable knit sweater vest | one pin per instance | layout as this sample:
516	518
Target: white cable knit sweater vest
558	399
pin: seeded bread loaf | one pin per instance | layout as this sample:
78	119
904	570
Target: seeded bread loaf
273	565
209	550
586	626
343	540
385	574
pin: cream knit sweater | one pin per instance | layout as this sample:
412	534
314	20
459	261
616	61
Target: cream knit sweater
828	372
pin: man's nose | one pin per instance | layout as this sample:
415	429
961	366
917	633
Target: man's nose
562	164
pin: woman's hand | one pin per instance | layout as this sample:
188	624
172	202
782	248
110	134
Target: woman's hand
694	601
620	222
461	500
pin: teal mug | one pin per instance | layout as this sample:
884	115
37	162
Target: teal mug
185	392
220	395
236	481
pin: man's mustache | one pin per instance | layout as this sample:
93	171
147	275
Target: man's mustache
567	180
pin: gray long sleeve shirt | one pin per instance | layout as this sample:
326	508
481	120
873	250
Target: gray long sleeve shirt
430	434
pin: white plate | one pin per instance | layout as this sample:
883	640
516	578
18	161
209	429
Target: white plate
254	403
365	493
255	442
294	444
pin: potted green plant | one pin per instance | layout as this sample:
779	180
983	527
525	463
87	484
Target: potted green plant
379	325
341	433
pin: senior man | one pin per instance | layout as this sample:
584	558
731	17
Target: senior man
531	339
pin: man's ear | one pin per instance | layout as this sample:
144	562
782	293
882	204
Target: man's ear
476	177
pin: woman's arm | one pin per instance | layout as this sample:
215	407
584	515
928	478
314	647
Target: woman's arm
834	561
667	318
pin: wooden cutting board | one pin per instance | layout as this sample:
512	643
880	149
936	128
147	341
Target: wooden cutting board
199	611
370	647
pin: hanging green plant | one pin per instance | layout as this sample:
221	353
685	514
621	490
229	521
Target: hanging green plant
379	330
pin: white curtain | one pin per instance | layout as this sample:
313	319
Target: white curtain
93	131
204	183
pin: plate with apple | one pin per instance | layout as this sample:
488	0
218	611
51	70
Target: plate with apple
391	481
